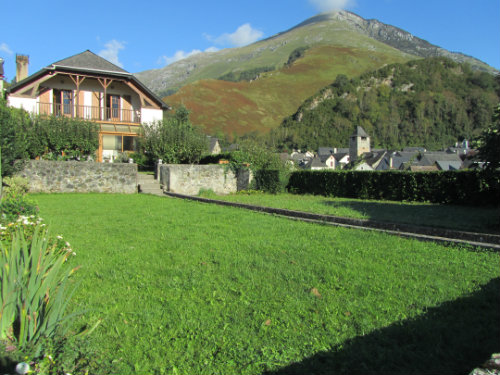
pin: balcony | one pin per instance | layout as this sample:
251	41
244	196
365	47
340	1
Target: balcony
97	114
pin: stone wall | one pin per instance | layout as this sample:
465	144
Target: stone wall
190	179
79	177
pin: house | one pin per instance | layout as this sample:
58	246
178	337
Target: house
460	148
396	160
442	160
369	161
86	86
322	162
213	146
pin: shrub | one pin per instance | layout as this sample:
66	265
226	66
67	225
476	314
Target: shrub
34	296
449	187
14	201
268	180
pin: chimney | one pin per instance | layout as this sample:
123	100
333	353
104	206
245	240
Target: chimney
22	62
1	77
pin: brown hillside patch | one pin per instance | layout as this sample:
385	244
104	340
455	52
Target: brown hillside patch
261	105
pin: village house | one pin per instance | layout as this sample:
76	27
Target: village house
361	157
88	87
213	145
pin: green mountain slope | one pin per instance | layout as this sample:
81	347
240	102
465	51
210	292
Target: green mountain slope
335	43
431	102
259	106
342	29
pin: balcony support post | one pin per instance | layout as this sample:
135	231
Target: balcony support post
77	80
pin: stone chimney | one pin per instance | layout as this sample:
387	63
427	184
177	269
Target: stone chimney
1	77
22	62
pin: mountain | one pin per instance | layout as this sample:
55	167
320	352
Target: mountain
431	102
329	44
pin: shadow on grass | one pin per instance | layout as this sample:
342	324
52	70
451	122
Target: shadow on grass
452	338
473	219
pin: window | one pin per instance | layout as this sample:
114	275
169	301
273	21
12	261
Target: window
118	143
63	102
113	106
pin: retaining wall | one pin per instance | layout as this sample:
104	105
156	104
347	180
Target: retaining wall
79	177
190	179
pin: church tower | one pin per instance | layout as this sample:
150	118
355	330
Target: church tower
359	143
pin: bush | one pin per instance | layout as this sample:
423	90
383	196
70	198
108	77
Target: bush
14	202
448	187
33	296
268	181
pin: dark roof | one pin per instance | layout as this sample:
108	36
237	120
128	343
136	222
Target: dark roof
89	61
360	132
326	151
449	165
318	162
430	158
340	155
372	157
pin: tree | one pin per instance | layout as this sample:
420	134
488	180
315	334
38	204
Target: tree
12	141
489	148
174	140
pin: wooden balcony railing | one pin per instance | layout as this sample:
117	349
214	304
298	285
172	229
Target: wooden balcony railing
91	113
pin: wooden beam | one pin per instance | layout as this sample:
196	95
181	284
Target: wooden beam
77	80
32	89
146	102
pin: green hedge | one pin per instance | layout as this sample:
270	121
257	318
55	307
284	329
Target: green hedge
450	187
268	180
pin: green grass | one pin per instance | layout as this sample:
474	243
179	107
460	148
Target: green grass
191	288
465	218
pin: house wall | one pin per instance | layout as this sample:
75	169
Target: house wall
190	179
149	115
27	104
79	177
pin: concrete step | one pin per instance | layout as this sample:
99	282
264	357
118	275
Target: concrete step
148	185
158	192
145	178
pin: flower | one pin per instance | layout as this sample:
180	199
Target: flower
22	368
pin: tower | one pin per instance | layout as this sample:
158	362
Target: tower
359	143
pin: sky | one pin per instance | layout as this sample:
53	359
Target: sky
149	34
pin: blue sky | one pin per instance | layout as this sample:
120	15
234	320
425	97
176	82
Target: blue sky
142	35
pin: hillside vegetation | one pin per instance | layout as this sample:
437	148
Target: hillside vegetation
268	80
432	102
260	105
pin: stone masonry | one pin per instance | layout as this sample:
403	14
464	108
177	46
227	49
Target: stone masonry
79	177
190	179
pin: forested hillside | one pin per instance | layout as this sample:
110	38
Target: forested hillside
432	102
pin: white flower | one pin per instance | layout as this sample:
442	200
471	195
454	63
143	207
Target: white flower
59	237
22	368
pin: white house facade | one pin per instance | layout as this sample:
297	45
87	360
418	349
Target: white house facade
88	87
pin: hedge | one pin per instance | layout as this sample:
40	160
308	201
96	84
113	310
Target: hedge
449	187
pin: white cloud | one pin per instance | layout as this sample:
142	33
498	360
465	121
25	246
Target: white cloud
110	53
180	55
5	48
330	5
244	35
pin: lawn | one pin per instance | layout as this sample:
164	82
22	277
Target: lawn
192	288
465	218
